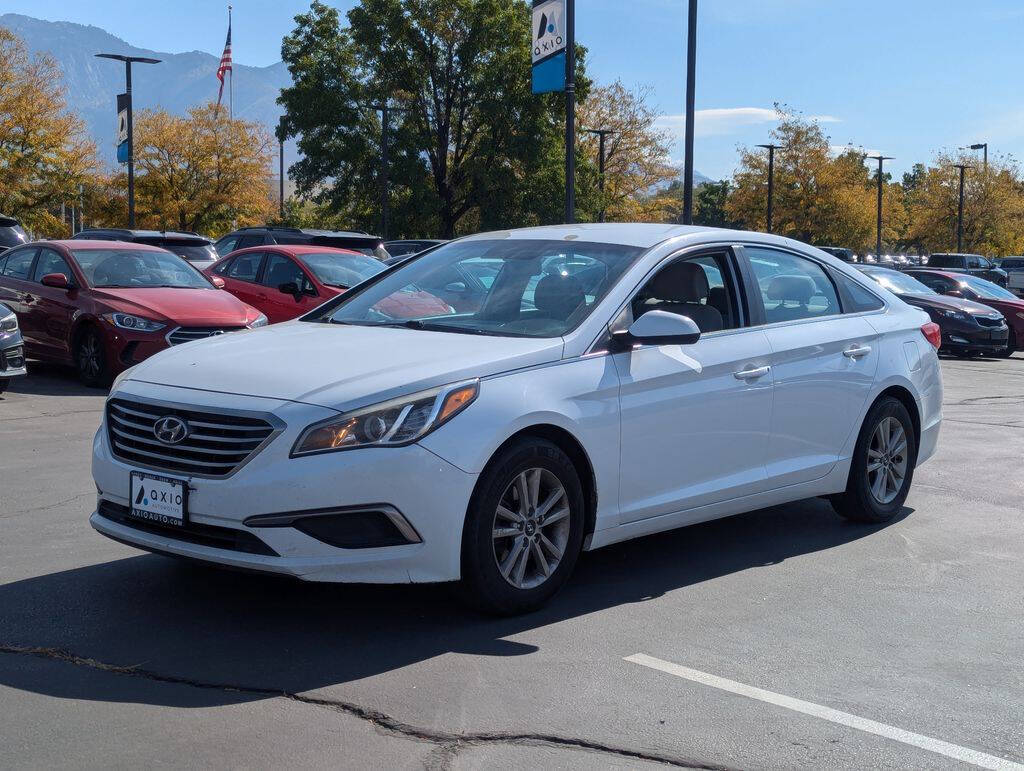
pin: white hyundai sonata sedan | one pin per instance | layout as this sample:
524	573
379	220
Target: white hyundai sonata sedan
488	410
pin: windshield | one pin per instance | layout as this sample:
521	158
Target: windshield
899	283
988	290
516	288
341	269
133	268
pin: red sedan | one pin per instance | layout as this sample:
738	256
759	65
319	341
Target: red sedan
106	305
981	291
285	282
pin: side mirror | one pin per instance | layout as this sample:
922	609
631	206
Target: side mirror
954	293
661	328
55	280
289	287
218	282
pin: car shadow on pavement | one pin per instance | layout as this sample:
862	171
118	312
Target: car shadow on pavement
50	380
245	637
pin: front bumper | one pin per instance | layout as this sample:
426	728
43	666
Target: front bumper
12	357
431	495
962	337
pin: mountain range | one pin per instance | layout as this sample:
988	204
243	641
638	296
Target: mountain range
180	80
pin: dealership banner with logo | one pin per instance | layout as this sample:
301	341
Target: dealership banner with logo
549	41
123	105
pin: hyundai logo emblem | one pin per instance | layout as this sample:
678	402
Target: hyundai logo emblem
171	430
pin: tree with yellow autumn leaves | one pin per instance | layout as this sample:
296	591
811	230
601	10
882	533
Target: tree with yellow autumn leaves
45	154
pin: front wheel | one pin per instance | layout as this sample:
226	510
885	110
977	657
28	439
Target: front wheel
4	382
1011	346
883	465
524	529
90	357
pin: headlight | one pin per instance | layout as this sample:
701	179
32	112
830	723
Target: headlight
135	323
8	324
953	315
260	322
389	424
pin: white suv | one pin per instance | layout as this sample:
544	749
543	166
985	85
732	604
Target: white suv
569	387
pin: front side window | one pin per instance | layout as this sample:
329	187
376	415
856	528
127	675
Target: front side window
282	270
988	290
226	245
50	262
540	288
247	241
694	287
939	284
19	264
138	268
792	287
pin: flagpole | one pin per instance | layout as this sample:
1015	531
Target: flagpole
231	74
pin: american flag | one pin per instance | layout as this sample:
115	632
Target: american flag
225	63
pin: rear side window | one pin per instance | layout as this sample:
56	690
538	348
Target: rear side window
856	298
245	267
246	241
19	264
792	287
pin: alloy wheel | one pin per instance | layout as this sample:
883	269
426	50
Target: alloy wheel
531	528
887	460
89	356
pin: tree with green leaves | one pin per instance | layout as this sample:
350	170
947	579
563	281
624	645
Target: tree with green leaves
470	146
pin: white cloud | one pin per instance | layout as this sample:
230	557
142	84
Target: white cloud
727	120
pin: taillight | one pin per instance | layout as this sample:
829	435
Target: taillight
933	334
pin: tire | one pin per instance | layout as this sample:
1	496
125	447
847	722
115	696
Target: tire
531	575
4	382
861	501
1011	346
91	359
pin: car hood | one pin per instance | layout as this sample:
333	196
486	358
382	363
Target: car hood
339	367
1006	307
946	303
182	307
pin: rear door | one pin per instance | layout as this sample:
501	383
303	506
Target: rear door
823	362
242	278
281	269
53	309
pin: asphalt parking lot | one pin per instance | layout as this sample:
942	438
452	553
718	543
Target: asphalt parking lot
781	638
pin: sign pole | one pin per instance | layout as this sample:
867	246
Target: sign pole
131	145
691	65
570	113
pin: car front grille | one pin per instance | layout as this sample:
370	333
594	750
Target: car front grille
989	321
188	334
215	445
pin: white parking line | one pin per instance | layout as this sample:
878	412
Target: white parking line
833	715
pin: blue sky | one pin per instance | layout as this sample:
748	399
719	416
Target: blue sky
907	77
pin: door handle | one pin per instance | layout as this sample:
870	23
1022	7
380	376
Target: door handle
752	374
855	352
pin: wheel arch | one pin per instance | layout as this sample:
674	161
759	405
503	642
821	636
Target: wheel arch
573	448
905	397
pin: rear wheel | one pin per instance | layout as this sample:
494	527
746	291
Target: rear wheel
883	465
524	529
91	360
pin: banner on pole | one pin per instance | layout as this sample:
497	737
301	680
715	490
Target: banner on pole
123	149
549	41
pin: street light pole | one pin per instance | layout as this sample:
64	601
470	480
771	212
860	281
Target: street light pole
771	181
960	210
691	87
570	112
385	109
982	146
878	240
131	132
601	135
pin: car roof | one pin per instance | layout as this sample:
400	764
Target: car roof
295	250
88	243
145	233
936	271
303	231
640	234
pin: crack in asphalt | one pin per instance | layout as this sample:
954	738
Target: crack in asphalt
448	743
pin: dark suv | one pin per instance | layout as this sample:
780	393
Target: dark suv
192	247
974	264
844	254
243	238
11	233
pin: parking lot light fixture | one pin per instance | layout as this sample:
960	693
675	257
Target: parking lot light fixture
982	146
602	134
960	209
771	181
878	239
128	60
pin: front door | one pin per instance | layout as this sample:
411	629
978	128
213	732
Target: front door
695	418
280	306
